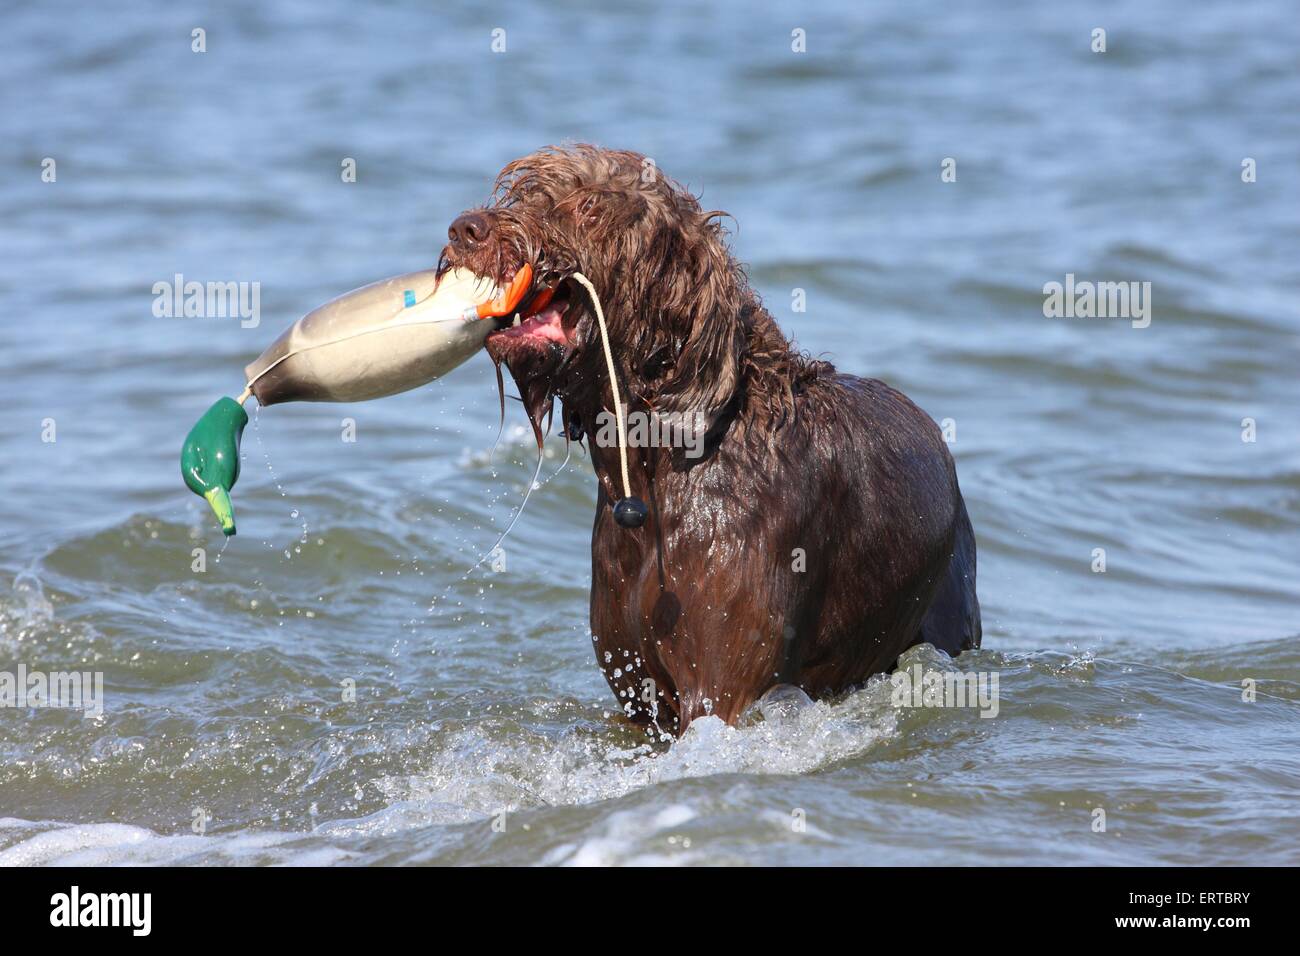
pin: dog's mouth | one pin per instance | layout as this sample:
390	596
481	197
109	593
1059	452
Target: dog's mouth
540	319
534	341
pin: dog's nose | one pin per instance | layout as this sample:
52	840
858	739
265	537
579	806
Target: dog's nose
469	229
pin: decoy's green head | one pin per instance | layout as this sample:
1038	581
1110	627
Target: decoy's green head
210	457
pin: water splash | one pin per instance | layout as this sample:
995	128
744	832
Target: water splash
25	612
579	768
294	511
32	606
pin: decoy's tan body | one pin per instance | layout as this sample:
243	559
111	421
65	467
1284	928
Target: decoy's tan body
384	338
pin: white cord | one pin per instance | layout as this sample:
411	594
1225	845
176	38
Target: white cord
613	380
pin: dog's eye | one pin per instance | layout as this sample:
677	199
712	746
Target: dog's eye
659	362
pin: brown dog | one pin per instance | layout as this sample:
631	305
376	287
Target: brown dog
812	532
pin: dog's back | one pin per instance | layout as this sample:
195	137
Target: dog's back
952	623
898	543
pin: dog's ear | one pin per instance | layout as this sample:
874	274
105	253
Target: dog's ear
709	311
704	378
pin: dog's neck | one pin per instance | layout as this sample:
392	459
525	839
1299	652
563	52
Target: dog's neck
589	413
766	375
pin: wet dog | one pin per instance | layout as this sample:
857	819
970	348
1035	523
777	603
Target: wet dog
816	531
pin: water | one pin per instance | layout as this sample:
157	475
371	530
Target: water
224	690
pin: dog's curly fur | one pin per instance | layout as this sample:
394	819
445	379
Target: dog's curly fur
820	533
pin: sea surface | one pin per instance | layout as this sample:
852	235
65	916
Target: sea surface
335	689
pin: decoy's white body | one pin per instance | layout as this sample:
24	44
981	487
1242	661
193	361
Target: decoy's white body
386	337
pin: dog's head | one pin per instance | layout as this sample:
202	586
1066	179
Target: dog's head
676	304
